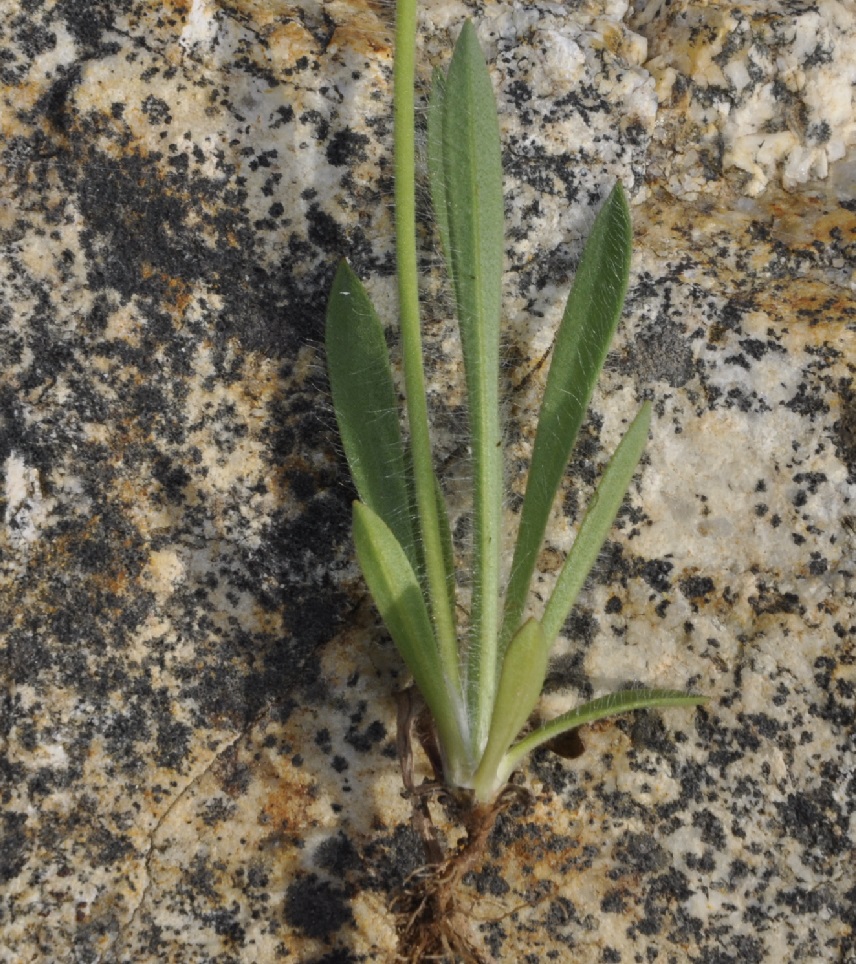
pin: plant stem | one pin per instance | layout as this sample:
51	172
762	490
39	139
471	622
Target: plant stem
411	339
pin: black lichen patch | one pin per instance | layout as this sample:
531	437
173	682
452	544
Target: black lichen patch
558	778
808	401
316	907
815	819
338	856
393	858
662	893
339	955
346	146
14	845
640	853
845	429
656	573
697	588
772	601
487	881
364	740
649	732
88	23
661	353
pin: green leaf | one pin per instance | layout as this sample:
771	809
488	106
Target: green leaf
436	167
424	479
597	522
447	545
472	187
586	330
594	710
448	645
398	597
523	670
366	405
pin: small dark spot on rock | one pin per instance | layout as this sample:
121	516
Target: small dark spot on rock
696	587
345	147
655	572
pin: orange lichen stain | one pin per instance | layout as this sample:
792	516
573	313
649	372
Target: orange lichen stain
287	805
178	294
290	28
811	305
266	623
369	36
814	310
550	560
611	38
113	582
801	221
181	7
287	42
261	14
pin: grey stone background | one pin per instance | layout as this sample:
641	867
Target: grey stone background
198	713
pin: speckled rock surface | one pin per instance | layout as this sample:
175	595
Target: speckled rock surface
198	758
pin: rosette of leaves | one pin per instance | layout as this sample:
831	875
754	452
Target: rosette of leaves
480	682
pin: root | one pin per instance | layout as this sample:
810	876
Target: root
432	920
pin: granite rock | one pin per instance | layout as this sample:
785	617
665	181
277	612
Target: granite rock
199	703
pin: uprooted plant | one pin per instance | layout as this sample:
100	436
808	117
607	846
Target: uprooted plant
480	681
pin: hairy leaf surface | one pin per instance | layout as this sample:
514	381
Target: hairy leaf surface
472	190
366	405
591	316
398	597
611	705
597	522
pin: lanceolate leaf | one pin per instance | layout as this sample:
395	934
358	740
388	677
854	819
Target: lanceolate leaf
366	405
591	712
472	185
424	479
597	522
398	597
583	339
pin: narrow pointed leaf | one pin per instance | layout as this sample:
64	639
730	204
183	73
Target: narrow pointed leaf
597	522
594	710
424	484
580	349
523	670
366	405
472	168
398	597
